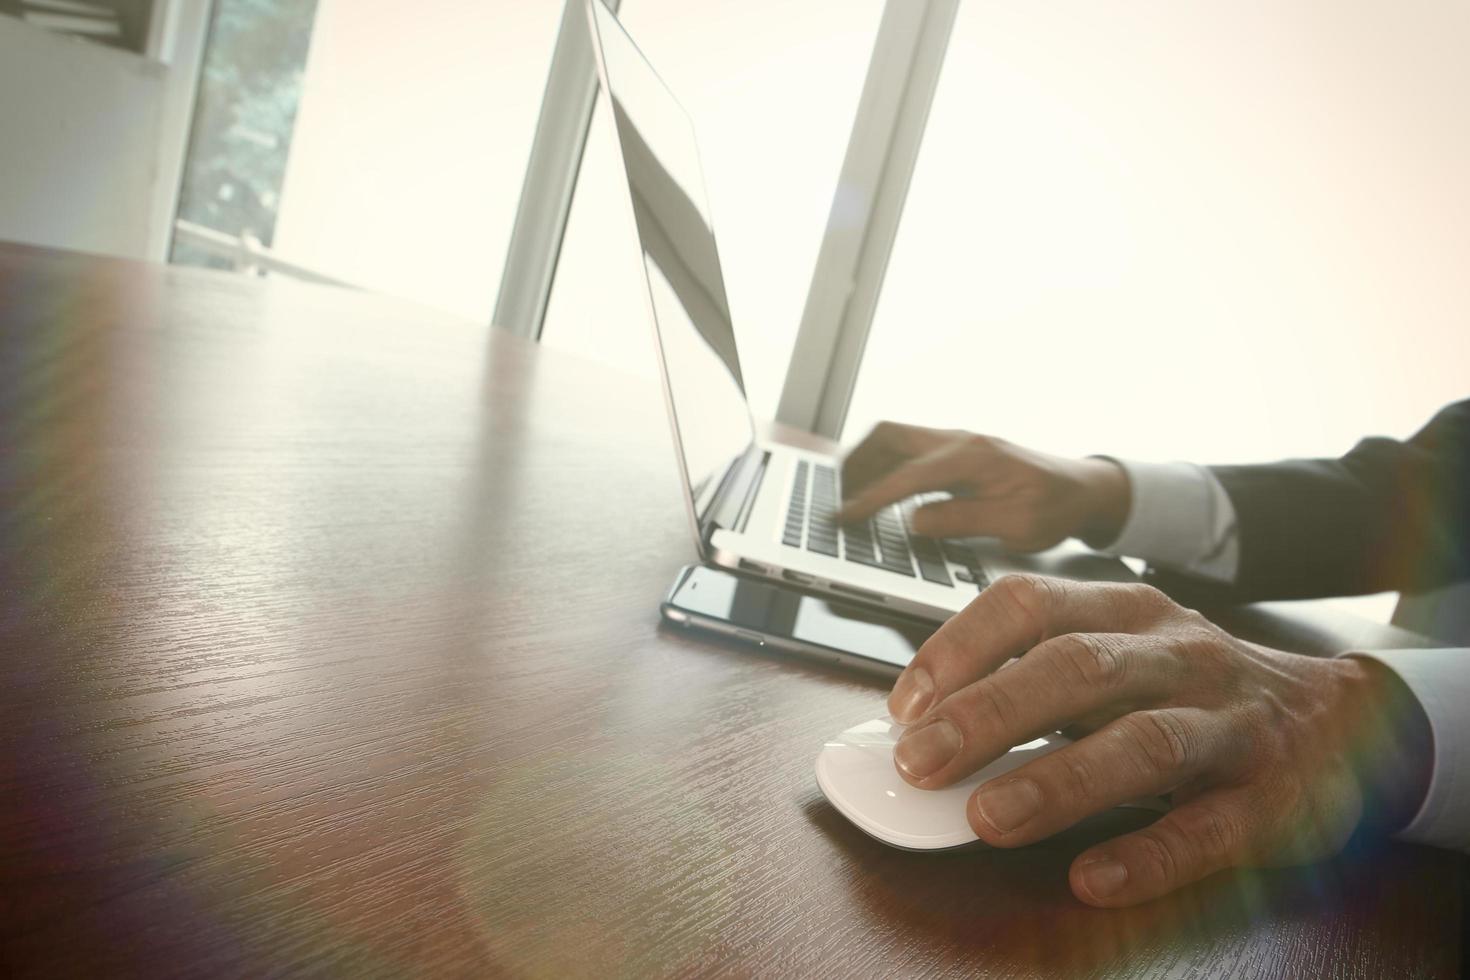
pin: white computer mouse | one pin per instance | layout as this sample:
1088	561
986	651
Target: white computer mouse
856	773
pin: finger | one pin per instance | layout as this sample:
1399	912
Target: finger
1015	523
1146	753
884	448
1014	614
1213	832
1057	682
965	517
938	470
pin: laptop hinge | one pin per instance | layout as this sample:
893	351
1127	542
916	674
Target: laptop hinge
736	497
753	487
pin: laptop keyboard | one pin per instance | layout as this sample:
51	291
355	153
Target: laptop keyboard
885	540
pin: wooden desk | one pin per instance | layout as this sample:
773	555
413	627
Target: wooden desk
330	644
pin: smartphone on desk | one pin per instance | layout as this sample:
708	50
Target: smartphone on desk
787	621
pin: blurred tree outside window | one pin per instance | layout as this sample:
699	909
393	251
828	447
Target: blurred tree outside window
249	90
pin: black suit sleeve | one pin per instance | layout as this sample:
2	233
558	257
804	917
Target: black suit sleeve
1387	516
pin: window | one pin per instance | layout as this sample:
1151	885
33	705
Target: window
772	88
249	91
1199	230
411	144
372	142
1214	231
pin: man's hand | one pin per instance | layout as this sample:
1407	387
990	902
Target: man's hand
1027	499
1271	758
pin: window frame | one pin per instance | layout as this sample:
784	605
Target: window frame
883	149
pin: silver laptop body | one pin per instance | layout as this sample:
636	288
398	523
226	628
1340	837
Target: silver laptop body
759	507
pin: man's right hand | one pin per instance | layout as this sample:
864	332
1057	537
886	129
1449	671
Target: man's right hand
1028	499
1269	758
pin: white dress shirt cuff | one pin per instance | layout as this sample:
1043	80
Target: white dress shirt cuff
1180	518
1440	679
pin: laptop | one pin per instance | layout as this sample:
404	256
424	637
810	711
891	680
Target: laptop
758	507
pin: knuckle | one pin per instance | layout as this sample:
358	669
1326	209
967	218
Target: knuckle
1146	601
1166	744
1026	596
1089	661
1199	653
1182	654
993	704
978	442
1213	834
1159	855
1079	777
1192	619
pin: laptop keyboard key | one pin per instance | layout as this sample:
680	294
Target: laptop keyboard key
885	541
796	508
823	546
936	573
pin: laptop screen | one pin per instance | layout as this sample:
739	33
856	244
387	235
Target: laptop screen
696	340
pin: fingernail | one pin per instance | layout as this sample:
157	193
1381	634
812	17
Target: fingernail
1005	806
926	750
911	695
1103	877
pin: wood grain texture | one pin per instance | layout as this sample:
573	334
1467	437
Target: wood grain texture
331	646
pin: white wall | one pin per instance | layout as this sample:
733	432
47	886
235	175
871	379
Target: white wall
93	138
